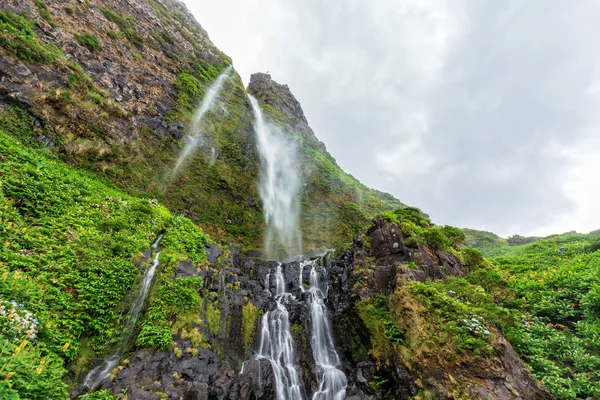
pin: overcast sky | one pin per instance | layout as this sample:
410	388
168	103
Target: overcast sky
485	114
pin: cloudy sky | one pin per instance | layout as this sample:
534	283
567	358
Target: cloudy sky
483	113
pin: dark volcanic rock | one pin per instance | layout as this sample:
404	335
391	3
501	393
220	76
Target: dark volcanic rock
279	96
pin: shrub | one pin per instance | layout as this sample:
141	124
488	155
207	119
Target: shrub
472	258
434	238
455	236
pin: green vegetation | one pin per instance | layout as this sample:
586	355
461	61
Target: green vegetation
556	281
189	90
126	26
250	316
19	39
70	243
170	300
45	12
89	41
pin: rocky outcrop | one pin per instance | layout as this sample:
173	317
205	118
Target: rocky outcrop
276	95
375	264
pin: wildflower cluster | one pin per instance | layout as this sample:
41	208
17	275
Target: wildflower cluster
475	325
16	322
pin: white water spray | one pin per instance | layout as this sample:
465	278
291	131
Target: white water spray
277	344
279	186
332	381
208	102
102	371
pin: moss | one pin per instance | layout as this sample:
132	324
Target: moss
250	316
383	331
213	318
189	90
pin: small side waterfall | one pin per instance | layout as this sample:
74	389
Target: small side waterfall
277	344
102	371
207	104
332	381
279	187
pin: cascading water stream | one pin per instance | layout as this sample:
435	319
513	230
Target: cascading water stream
207	104
279	187
102	371
277	344
332	382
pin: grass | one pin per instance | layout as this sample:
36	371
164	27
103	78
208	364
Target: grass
89	41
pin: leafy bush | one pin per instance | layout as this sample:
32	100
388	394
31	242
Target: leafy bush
434	238
455	236
472	258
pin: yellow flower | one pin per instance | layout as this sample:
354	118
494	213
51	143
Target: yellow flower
37	170
9	224
6	243
24	230
66	346
39	370
570	272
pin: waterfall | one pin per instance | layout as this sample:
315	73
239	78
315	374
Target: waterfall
277	344
194	140
332	382
102	371
279	186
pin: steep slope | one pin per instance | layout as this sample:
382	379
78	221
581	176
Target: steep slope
111	86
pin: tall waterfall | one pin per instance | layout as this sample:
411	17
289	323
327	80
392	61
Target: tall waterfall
279	187
277	344
332	381
102	371
207	104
